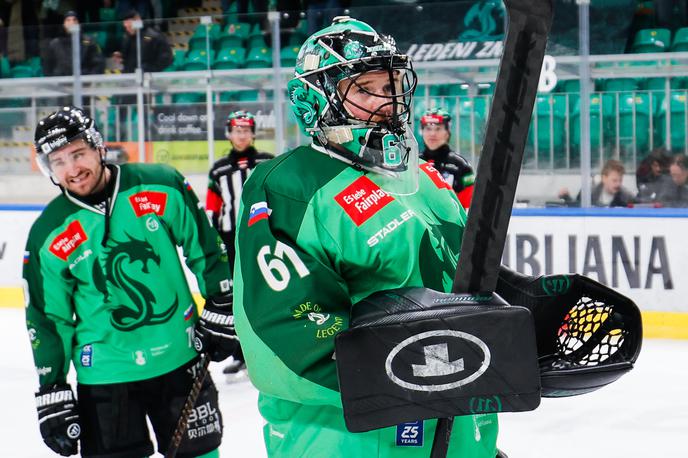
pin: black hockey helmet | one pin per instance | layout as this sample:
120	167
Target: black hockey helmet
588	335
64	126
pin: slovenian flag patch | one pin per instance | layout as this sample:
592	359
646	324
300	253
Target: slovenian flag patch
258	211
26	257
188	313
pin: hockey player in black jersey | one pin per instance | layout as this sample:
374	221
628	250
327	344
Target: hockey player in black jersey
225	182
454	168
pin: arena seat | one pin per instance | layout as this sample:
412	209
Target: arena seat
259	58
178	61
596	127
198	39
680	40
5	67
651	40
633	116
677	108
256	38
197	59
620	84
288	56
550	113
229	58
234	35
188	97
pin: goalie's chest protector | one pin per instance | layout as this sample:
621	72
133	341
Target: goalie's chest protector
377	240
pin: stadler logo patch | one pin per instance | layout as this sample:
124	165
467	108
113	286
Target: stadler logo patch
435	175
362	199
64	244
147	202
437	361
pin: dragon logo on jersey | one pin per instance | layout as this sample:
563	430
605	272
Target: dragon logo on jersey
438	256
126	263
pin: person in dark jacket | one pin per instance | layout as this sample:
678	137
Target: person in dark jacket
609	192
651	175
58	58
156	52
454	168
673	190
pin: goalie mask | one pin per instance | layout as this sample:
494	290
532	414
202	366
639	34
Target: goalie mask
61	128
352	92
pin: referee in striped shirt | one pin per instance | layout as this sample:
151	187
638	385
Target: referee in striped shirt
225	182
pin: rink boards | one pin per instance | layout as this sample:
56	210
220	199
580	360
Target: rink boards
640	252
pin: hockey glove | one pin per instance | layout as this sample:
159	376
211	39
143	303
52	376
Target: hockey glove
214	332
588	335
58	418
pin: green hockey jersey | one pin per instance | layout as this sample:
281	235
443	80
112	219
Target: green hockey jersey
315	236
119	307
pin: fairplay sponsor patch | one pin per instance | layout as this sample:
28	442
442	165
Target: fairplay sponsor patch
147	202
362	199
64	244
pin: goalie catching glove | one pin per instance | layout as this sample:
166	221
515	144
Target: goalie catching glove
214	332
58	418
587	335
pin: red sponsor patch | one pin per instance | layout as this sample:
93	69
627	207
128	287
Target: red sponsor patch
435	176
362	199
64	244
149	202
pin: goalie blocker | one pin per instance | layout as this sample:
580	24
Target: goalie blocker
414	353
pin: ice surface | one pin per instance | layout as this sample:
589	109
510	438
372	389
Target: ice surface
643	415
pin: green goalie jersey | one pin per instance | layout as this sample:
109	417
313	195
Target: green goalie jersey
315	236
118	304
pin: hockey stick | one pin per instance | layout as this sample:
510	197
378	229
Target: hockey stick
189	404
500	159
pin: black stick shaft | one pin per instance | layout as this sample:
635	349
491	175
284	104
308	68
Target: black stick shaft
183	421
500	159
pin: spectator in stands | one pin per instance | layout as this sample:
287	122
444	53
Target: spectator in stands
156	52
20	18
58	58
674	192
671	13
142	7
609	192
651	174
3	36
